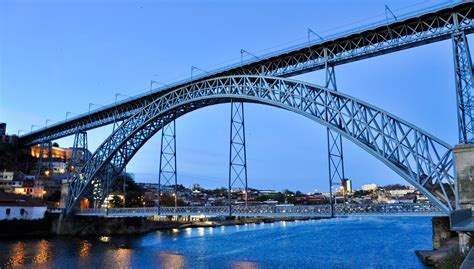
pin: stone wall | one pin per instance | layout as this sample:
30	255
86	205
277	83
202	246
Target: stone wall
464	157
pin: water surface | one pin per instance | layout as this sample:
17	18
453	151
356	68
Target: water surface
368	242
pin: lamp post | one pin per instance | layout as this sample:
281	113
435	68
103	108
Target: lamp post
157	82
242	51
48	120
196	68
310	31
69	112
33	125
92	104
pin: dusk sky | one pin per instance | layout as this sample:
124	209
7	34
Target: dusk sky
59	56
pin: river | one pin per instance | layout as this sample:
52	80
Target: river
366	242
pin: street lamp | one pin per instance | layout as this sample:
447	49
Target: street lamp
92	104
20	131
69	112
117	94
156	82
242	51
314	33
192	69
48	120
33	125
245	192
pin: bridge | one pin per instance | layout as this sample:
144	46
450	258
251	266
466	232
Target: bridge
420	158
322	211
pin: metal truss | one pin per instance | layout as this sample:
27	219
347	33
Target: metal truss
420	29
79	157
464	85
273	211
80	151
420	158
168	169
49	146
237	151
335	152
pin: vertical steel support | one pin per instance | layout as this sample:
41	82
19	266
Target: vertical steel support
237	152
124	186
168	169
464	85
79	157
335	152
44	145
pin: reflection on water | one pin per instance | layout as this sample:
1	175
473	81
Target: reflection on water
172	260
119	258
336	243
104	239
85	248
201	231
17	254
42	252
189	231
244	265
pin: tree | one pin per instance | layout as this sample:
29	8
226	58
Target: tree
116	201
54	197
395	187
168	200
134	193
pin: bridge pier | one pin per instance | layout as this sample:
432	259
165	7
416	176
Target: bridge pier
464	157
441	231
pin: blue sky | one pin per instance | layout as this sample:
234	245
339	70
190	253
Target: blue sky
57	57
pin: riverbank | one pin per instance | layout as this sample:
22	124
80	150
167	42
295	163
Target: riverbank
88	226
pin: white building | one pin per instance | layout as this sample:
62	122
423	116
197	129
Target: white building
398	193
7	176
15	207
370	187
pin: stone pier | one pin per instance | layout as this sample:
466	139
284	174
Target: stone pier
464	157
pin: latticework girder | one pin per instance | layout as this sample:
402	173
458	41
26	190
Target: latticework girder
168	176
427	27
48	147
335	152
464	84
238	152
423	160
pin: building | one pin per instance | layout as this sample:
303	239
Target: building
17	207
30	187
56	152
8	176
398	193
21	184
196	187
370	187
346	185
56	162
3	128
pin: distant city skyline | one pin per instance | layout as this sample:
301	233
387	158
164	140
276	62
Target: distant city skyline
56	59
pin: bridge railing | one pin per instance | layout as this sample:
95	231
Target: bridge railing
266	210
386	209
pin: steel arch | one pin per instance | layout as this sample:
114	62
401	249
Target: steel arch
420	158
